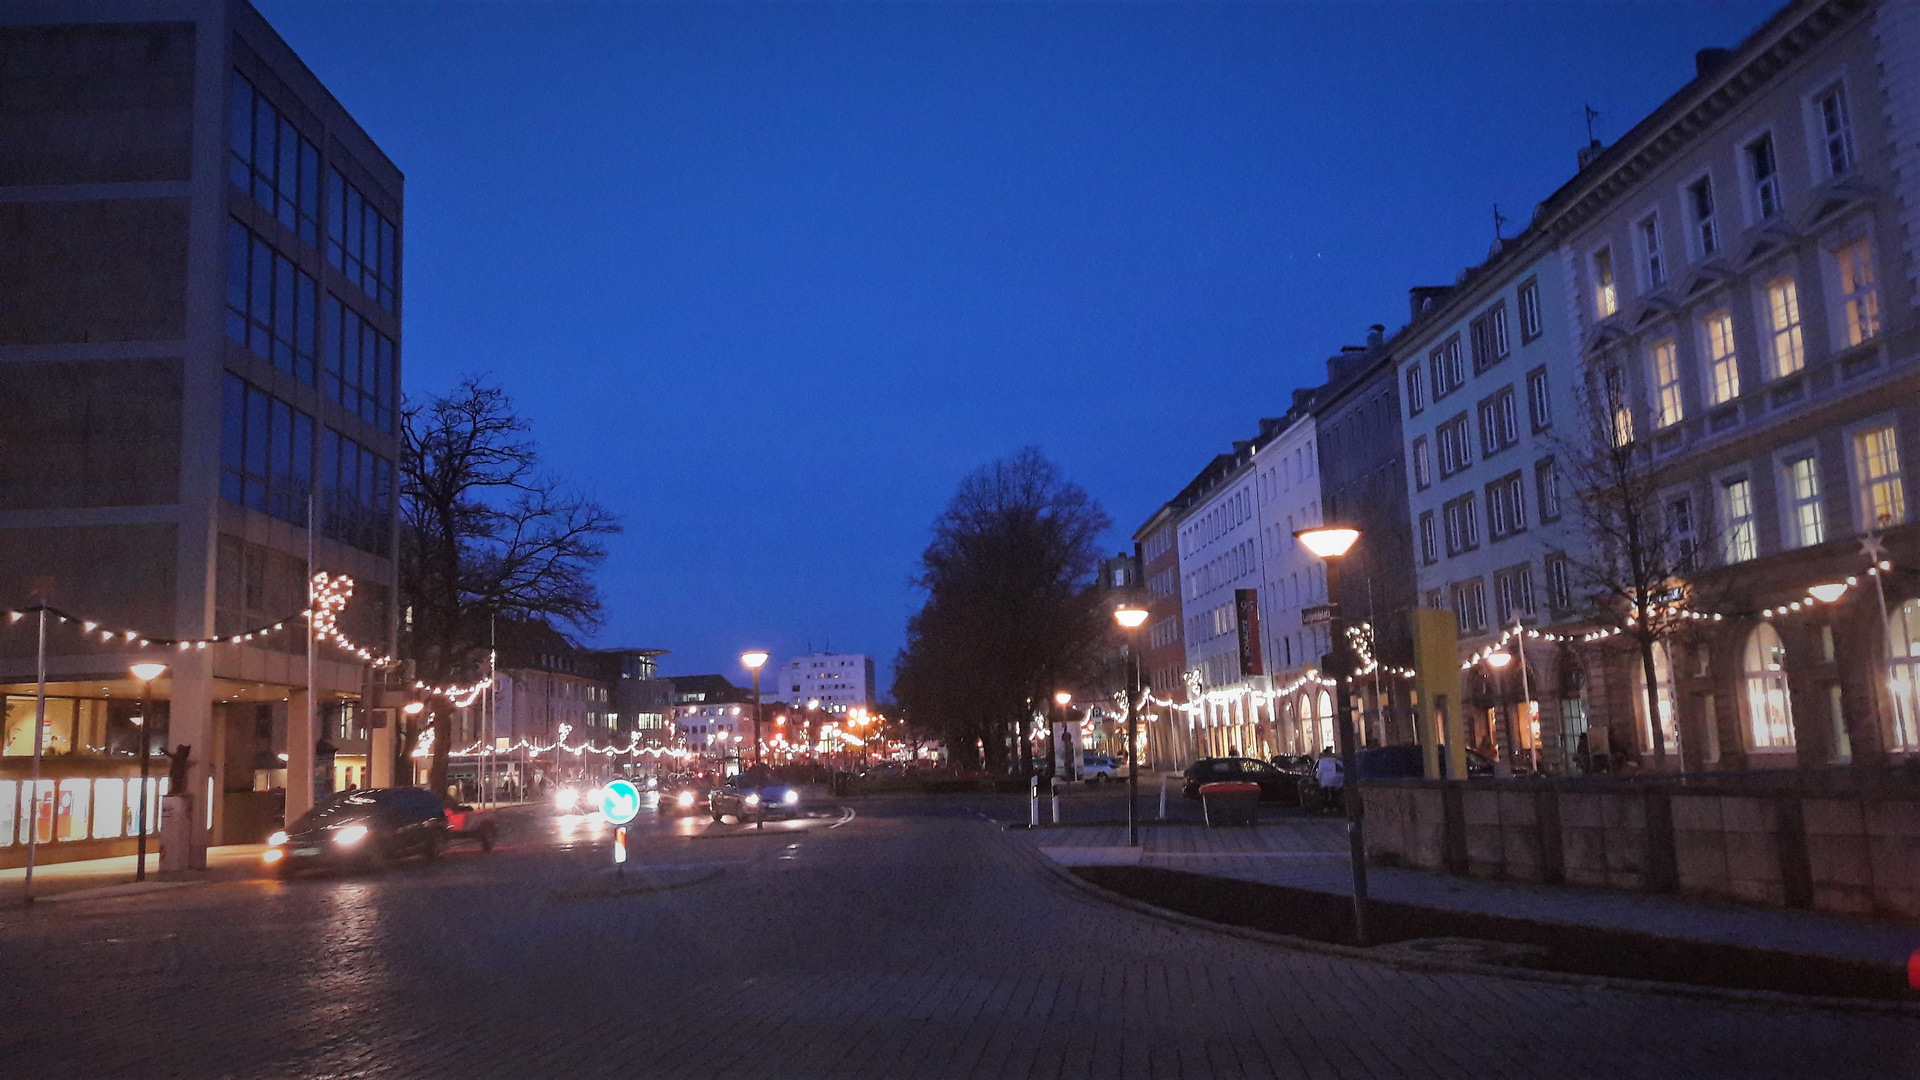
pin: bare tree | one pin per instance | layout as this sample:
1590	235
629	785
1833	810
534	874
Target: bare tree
485	533
1011	612
1639	552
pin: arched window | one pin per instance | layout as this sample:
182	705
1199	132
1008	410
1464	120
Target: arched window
1769	709
1324	735
1662	671
1903	640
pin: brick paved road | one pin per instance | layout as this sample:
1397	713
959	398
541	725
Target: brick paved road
915	940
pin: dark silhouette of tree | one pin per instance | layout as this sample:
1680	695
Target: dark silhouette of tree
1011	611
484	533
1638	555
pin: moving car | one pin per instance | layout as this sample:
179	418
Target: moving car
1095	768
1275	785
466	823
754	794
363	828
682	796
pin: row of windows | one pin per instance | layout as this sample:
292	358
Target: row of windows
360	366
1506	512
1291	469
266	455
362	243
1513	596
1156	545
1487	333
272	162
1759	172
272	305
1499	429
1211	624
1228	566
1876	474
1218	521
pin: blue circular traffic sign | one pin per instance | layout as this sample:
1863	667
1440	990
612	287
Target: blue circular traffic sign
619	802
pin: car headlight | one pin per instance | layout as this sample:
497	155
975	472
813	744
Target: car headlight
685	799
752	799
279	837
790	797
272	855
566	799
349	835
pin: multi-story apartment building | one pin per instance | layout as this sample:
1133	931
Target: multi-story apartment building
1741	273
1363	483
1163	654
833	682
1486	372
1219	538
711	716
199	362
1292	581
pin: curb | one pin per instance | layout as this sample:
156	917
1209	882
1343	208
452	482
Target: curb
113	892
611	891
1722	995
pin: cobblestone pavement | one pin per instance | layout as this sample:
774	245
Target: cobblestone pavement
912	940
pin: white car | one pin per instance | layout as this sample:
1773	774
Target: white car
1095	768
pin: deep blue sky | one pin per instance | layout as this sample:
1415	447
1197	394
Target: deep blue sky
770	279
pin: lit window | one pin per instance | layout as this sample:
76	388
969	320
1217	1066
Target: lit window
1620	409
1836	130
1804	518
1769	705
1783	317
1876	455
1858	291
1736	511
1605	300
1666	382
1724	365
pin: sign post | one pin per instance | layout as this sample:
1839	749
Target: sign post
619	804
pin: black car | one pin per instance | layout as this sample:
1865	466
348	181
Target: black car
683	796
362	828
1276	785
754	794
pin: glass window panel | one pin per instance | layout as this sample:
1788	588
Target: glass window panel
9	810
260	303
70	810
109	808
283	315
258	430
336	221
237	248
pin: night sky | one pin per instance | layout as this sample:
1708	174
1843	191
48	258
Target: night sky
769	280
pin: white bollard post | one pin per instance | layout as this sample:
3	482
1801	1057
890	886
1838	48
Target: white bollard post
1163	798
1056	802
1033	806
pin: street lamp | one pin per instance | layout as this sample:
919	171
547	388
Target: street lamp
1498	660
754	660
1131	619
146	673
1331	544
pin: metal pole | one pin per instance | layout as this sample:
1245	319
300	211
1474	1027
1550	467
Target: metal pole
1341	668
39	729
1133	742
756	716
1526	687
146	755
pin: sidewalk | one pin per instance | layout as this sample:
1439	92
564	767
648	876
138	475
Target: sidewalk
91	878
1311	853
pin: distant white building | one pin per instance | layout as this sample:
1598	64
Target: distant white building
839	682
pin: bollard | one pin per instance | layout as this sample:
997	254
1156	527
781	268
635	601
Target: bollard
1033	806
1163	798
1056	802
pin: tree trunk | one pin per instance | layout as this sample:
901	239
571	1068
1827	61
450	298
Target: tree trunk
442	734
1651	676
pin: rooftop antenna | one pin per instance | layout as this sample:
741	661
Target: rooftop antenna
1499	220
1592	115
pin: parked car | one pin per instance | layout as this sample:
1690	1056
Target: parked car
466	823
365	828
1275	785
754	794
683	796
1096	768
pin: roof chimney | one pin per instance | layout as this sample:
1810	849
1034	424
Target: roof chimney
1708	61
1376	334
1421	298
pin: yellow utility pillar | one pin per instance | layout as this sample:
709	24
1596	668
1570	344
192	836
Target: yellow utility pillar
1436	687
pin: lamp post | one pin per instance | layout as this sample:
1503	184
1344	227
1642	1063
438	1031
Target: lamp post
1131	619
1063	699
146	673
754	659
1829	594
1330	544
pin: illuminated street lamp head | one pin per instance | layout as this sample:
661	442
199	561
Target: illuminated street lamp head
1327	541
1829	592
147	672
1499	658
1062	698
1129	616
412	708
753	659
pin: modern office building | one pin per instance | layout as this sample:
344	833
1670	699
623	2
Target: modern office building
200	304
838	682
